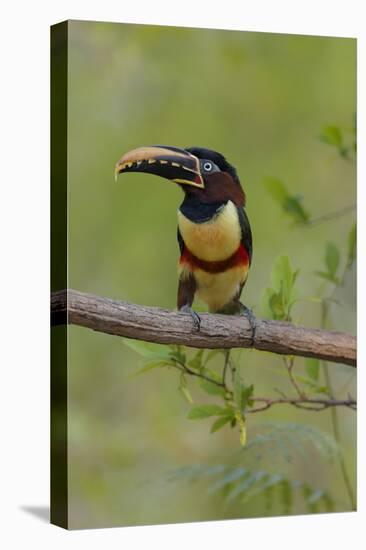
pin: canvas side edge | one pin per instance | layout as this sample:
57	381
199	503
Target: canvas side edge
59	477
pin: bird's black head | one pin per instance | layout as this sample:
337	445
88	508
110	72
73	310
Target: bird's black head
212	161
201	172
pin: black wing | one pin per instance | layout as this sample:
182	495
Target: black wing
246	233
180	241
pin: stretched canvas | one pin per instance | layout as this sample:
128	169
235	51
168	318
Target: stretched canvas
204	373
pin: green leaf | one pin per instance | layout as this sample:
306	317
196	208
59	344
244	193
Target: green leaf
246	394
237	388
283	277
240	418
291	204
177	353
294	276
332	135
332	258
276	305
196	361
146	349
277	189
183	388
212	374
327	276
277	301
186	394
344	151
220	423
211	354
287	280
205	411
352	245
312	367
243	434
294	207
316	388
150	366
211	388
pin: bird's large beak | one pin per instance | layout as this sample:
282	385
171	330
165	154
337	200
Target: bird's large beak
168	162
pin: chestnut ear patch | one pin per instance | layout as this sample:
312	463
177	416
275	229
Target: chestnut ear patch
217	158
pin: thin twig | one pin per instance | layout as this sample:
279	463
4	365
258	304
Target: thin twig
289	364
226	363
303	403
331	215
187	370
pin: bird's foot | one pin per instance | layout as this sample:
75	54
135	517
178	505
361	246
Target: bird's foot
244	310
195	317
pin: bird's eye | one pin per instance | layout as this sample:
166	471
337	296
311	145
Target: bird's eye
207	166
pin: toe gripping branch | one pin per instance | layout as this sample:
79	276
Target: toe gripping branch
195	317
252	321
245	311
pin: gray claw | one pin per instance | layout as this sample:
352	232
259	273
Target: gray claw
195	317
244	310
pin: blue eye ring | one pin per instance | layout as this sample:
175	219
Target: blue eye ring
207	166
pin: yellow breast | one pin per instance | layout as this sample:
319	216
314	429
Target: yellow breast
218	289
214	240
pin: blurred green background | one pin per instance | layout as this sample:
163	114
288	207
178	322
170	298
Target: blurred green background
260	99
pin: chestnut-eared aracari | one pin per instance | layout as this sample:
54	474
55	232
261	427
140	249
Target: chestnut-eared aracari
214	233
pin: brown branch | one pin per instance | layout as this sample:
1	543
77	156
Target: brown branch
303	403
153	324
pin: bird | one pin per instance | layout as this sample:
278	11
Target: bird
214	233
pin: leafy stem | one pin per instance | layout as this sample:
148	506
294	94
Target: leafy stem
289	364
334	415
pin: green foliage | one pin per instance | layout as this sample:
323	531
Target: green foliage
204	411
352	246
241	483
278	299
291	204
125	67
211	388
242	392
312	367
261	470
196	362
312	386
288	441
332	258
311	381
316	500
234	400
183	388
220	423
146	349
234	397
154	355
333	136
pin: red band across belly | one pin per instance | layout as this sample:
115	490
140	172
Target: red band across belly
240	257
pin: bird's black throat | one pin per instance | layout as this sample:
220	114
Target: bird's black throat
197	211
